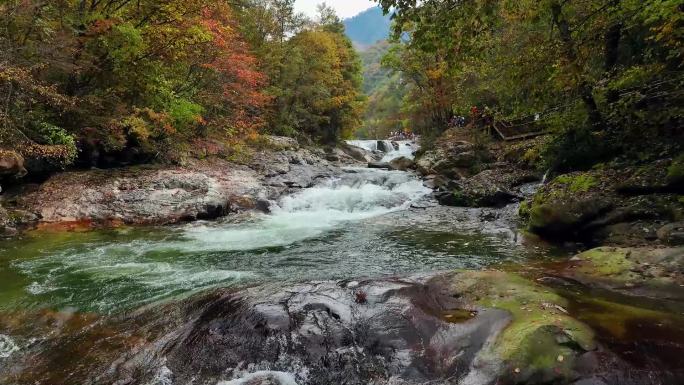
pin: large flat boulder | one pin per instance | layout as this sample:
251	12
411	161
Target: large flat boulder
157	195
465	327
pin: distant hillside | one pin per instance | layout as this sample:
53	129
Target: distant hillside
368	27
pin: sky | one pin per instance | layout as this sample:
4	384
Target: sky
344	8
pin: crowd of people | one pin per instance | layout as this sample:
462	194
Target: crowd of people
401	135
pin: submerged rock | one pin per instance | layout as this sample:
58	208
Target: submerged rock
466	327
641	271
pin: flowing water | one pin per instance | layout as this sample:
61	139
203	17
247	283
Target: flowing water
359	224
389	149
364	223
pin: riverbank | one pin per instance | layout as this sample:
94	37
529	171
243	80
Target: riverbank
360	277
617	203
200	189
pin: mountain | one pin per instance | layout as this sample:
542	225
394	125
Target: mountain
368	27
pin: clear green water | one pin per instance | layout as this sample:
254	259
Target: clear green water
358	226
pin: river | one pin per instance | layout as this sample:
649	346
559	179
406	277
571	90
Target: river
359	224
363	223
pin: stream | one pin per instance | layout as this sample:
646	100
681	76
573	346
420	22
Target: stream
364	223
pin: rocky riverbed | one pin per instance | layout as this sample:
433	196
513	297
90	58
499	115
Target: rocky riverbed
324	272
158	195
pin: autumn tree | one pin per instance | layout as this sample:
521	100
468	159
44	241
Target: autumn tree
315	74
128	81
604	74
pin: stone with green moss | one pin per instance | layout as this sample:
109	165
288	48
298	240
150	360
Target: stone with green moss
541	341
652	272
578	182
561	208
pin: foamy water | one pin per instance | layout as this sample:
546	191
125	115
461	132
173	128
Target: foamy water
263	377
123	272
7	346
405	148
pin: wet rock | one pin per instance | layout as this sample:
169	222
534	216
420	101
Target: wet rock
357	153
672	234
11	164
205	189
385	146
477	328
401	164
438	182
425	163
379	165
562	219
490	188
649	272
608	206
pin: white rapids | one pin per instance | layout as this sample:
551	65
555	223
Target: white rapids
202	255
356	196
7	346
404	148
263	378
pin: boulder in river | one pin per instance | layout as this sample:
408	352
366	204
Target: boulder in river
466	327
401	163
617	206
641	271
379	165
358	153
489	188
154	195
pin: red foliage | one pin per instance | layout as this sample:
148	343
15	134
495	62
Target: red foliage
242	82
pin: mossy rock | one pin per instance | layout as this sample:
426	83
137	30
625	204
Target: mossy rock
638	271
561	208
542	342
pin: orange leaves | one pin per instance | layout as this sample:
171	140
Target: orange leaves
240	84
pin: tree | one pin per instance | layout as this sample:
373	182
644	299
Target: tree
591	67
148	78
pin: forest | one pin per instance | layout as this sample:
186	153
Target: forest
261	192
123	82
605	77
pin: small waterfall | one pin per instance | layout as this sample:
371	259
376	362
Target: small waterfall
546	177
368	145
405	148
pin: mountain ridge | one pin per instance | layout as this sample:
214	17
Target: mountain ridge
368	27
